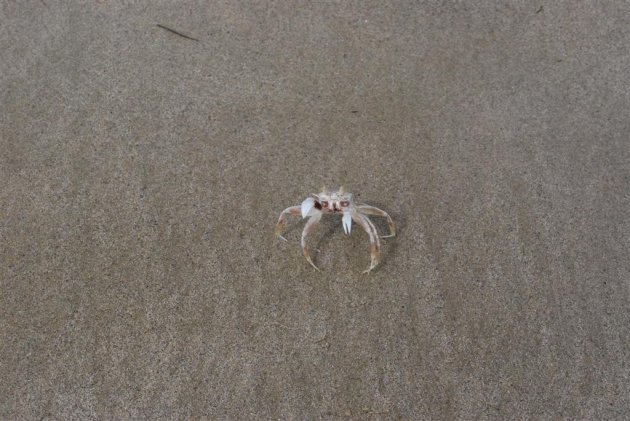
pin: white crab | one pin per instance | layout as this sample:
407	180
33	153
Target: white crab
338	202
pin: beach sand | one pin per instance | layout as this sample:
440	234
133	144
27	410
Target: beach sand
142	173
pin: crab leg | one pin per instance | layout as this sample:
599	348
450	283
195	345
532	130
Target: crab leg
375	243
375	250
293	210
310	225
371	210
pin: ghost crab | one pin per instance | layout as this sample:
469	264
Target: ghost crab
338	202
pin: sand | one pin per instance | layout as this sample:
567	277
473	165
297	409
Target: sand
142	174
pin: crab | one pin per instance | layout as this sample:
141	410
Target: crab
338	203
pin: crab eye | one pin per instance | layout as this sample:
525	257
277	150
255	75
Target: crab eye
343	203
325	204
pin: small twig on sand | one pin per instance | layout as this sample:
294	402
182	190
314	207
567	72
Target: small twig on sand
176	33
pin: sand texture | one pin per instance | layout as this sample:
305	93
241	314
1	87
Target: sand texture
142	173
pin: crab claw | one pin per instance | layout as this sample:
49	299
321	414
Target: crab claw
347	223
307	206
